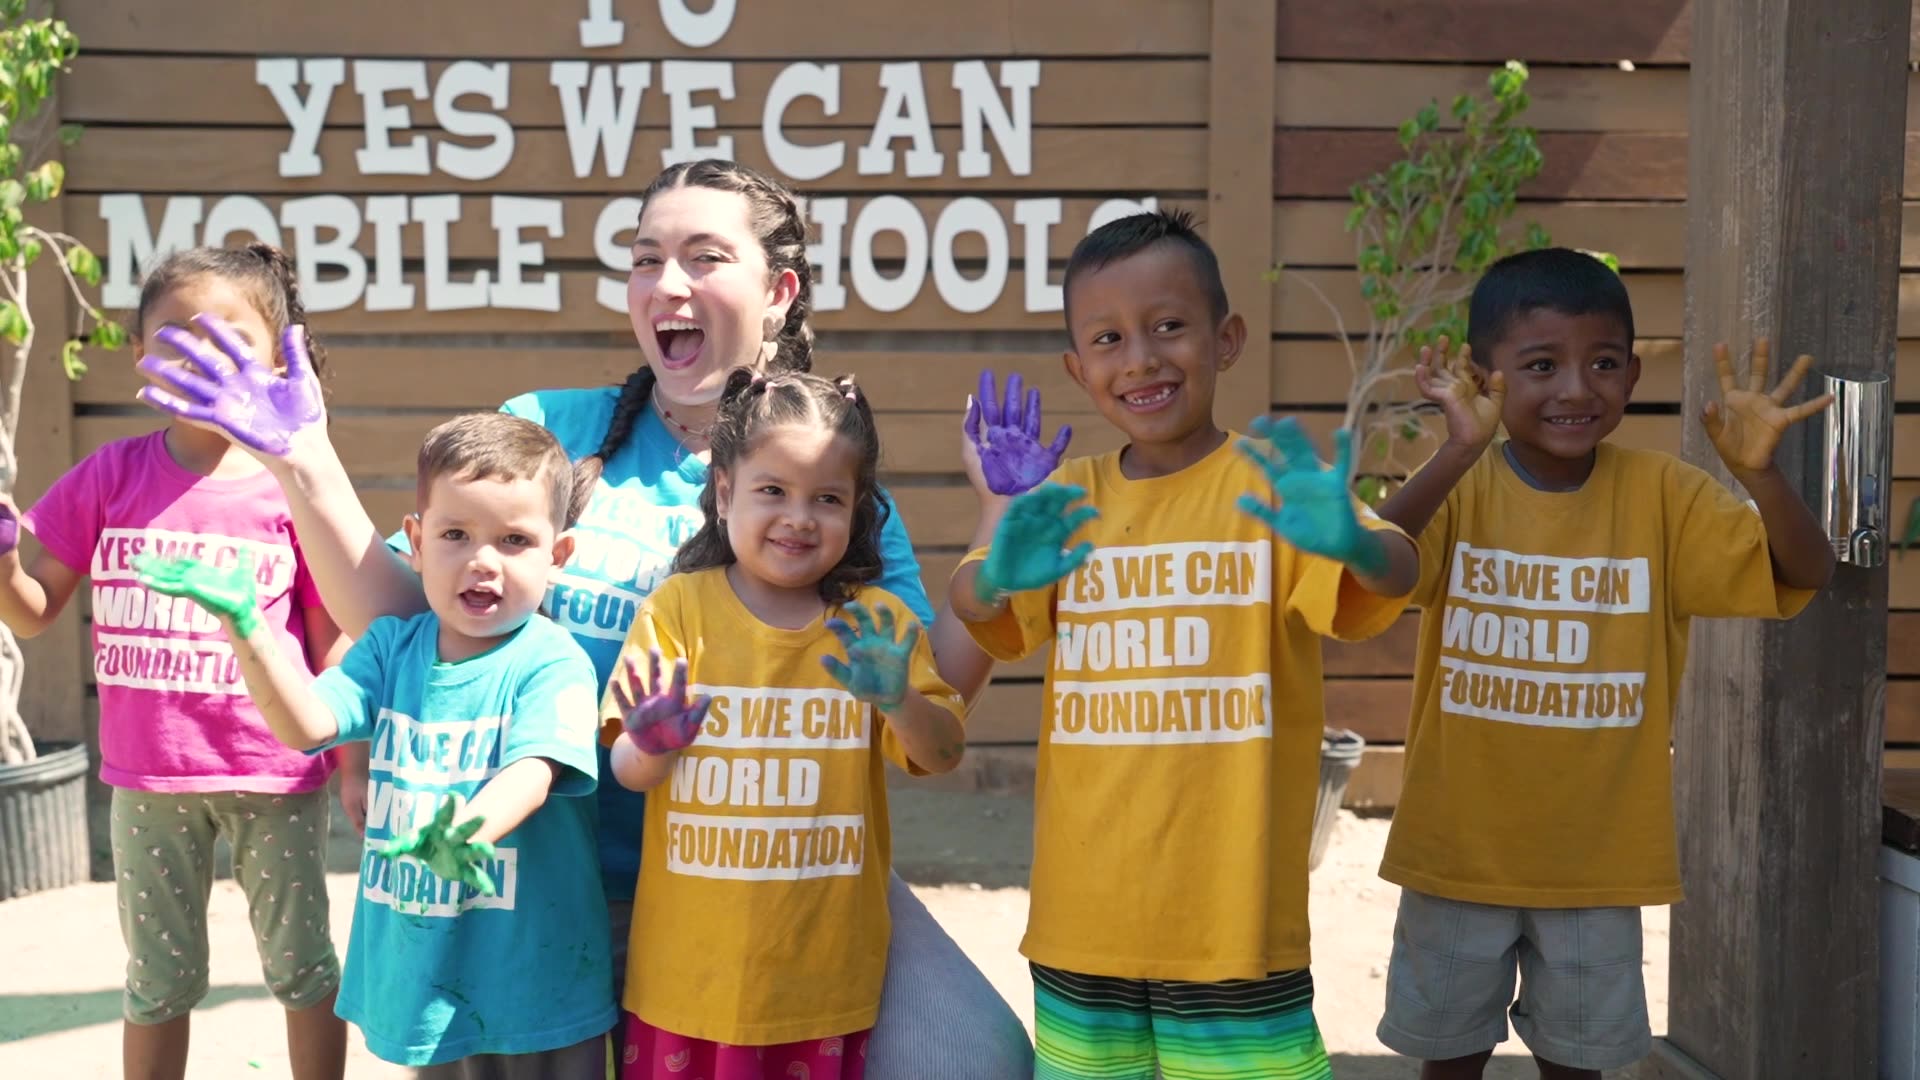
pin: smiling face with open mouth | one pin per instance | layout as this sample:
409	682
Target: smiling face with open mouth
700	295
485	550
1148	348
1569	378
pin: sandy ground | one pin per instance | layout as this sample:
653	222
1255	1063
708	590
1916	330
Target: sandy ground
61	957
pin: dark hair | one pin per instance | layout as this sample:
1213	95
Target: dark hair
754	403
1560	280
262	270
1126	237
496	446
774	214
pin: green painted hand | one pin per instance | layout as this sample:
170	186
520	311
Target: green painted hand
876	668
224	591
447	849
1029	548
1312	508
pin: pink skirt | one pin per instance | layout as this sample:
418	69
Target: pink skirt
654	1054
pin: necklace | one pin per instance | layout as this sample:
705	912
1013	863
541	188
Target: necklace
667	414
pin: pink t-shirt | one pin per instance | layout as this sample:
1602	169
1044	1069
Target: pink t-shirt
174	711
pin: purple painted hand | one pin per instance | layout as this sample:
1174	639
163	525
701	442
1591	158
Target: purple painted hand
9	526
659	723
1009	446
240	397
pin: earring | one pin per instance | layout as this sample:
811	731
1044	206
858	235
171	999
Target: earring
770	326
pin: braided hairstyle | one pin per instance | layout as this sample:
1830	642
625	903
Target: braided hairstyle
754	404
264	273
774	214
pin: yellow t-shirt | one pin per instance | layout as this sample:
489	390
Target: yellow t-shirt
1174	801
1538	769
760	916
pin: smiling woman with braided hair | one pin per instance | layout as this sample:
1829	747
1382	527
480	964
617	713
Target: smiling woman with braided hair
720	280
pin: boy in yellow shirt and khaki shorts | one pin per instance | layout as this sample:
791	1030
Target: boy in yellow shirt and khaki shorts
1558	576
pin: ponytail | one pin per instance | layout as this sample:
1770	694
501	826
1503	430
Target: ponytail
634	394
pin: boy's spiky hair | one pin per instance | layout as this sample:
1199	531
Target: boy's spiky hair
1553	279
1128	236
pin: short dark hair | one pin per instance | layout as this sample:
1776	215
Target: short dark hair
754	403
1560	280
496	446
1126	237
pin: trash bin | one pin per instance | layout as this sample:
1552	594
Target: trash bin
1339	753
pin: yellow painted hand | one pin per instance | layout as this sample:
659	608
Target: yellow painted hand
1747	422
1451	381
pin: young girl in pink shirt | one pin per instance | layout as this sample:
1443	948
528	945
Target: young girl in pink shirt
183	746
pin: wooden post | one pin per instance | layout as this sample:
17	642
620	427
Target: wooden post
1239	212
1798	111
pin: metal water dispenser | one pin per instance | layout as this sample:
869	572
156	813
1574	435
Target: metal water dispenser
1856	492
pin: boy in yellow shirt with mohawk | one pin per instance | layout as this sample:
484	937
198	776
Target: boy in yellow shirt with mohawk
1179	754
1558	574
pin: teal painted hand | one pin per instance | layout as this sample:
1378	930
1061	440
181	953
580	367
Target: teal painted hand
224	591
877	665
1312	508
447	849
1029	548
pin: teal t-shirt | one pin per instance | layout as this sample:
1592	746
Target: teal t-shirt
645	506
435	971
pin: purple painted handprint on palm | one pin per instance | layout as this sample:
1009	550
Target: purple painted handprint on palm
1008	441
240	397
660	721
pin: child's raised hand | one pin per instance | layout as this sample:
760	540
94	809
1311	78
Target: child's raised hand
1028	549
1011	457
447	849
876	667
224	591
1312	508
1451	382
1747	422
659	722
240	397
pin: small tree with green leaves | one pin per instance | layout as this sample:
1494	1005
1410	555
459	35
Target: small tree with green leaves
33	52
1425	228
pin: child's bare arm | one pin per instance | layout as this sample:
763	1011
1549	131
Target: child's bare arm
31	598
932	737
1746	425
510	797
293	712
638	770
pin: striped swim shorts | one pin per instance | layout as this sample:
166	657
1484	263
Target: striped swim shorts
1094	1027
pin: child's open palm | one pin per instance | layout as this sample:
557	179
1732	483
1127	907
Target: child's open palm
240	397
226	591
447	849
1311	508
1747	422
1453	383
1029	546
877	665
659	722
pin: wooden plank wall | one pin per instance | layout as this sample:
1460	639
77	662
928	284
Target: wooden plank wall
168	93
1609	91
1150	100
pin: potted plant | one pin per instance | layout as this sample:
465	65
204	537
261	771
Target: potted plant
1424	229
43	817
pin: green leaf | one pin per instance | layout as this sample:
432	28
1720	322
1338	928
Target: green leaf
70	134
108	335
84	264
12	194
13	322
1612	262
1355	216
44	183
70	358
1371	489
29	251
